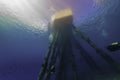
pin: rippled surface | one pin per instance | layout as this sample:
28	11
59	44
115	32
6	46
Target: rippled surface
36	14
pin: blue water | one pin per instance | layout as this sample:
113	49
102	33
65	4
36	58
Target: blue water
22	51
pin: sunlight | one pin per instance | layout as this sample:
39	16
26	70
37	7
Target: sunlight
25	11
14	4
34	13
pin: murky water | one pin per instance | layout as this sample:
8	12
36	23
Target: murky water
24	32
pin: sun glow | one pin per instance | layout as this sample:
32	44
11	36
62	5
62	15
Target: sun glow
34	13
25	11
15	5
11	2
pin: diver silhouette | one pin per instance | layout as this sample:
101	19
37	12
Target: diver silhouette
114	46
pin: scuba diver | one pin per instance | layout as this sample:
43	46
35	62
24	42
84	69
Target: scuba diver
114	46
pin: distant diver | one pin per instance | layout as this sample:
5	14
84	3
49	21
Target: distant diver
114	46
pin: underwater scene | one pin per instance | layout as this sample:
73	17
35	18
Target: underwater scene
59	40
